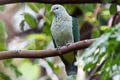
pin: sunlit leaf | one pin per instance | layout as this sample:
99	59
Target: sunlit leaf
95	33
103	28
2	36
32	7
30	20
89	65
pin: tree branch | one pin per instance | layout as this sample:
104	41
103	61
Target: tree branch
53	1
44	53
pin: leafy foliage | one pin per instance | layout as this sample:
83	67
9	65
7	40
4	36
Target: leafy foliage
8	63
105	48
113	8
4	77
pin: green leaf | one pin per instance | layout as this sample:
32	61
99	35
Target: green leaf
39	5
17	72
7	62
95	33
30	20
2	7
32	7
2	36
113	9
105	76
103	28
88	65
4	76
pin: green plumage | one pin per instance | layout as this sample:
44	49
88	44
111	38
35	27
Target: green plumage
75	30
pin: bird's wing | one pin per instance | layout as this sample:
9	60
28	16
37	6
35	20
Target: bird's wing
53	38
75	30
54	41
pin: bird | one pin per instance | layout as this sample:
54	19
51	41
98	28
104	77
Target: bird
64	31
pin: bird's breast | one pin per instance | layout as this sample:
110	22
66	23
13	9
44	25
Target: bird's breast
62	33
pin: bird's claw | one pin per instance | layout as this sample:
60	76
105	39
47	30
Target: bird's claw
58	49
68	44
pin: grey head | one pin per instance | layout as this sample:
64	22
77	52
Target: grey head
58	10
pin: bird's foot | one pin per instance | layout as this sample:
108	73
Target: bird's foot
68	44
58	49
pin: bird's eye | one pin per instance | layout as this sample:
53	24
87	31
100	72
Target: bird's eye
57	8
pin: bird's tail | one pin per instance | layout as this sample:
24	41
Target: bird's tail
69	61
71	69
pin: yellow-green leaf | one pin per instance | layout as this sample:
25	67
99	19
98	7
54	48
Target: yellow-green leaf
2	36
30	20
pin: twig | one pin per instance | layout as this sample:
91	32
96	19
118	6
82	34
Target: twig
44	53
96	11
116	18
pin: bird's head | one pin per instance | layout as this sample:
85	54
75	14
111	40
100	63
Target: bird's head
58	10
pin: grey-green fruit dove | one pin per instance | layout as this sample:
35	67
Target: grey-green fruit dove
64	30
